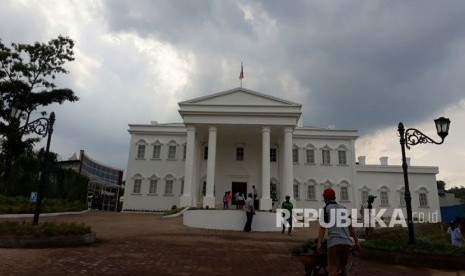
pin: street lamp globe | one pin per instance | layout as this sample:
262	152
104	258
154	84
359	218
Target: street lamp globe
442	126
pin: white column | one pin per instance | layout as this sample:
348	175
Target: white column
288	166
209	198
186	198
265	201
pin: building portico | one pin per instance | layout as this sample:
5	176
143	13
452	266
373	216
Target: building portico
252	119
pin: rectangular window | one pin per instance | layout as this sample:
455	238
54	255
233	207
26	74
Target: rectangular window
172	152
342	157
402	198
295	155
423	200
344	193
296	191
325	157
137	186
169	187
311	192
205	153
310	156
273	155
184	152
365	198
182	188
156	151
141	151
384	198
153	186
240	154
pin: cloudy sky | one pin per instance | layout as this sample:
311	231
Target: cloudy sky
364	65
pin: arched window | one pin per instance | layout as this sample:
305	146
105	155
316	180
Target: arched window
384	196
156	150
296	190
153	184
344	191
310	154
172	147
342	155
326	155
295	154
423	197
137	183
141	144
169	185
311	190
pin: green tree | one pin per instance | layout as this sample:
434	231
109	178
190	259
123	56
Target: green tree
27	74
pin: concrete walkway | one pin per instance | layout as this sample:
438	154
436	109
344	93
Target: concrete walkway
146	244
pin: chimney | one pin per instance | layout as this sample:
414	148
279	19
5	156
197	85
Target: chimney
361	160
384	161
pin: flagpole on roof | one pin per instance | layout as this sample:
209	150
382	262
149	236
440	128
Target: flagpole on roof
241	75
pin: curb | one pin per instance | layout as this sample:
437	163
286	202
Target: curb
42	214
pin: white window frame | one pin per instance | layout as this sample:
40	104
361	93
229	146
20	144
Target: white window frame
137	187
295	190
172	150
153	186
169	186
156	154
384	201
295	154
342	157
310	158
423	202
311	192
326	159
344	193
140	151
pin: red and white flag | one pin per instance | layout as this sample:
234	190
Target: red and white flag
241	75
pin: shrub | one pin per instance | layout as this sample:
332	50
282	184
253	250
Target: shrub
173	211
430	239
45	229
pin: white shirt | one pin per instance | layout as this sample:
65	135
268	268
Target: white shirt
455	236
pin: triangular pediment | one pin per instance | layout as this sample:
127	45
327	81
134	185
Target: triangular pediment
239	97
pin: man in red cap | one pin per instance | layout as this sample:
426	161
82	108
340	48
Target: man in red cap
339	241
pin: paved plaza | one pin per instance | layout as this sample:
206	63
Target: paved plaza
146	244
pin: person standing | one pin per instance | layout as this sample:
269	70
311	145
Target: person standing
255	197
455	233
287	205
225	200
339	241
249	212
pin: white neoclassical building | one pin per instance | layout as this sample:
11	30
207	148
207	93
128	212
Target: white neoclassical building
236	139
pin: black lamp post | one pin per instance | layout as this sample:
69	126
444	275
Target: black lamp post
42	127
412	137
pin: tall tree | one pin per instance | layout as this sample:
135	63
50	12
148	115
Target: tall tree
27	74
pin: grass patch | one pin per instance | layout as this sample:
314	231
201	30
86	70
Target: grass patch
431	239
45	229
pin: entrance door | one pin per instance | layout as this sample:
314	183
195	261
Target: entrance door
240	187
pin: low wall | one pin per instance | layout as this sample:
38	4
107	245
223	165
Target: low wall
230	220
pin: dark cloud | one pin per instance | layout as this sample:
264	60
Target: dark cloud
362	65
